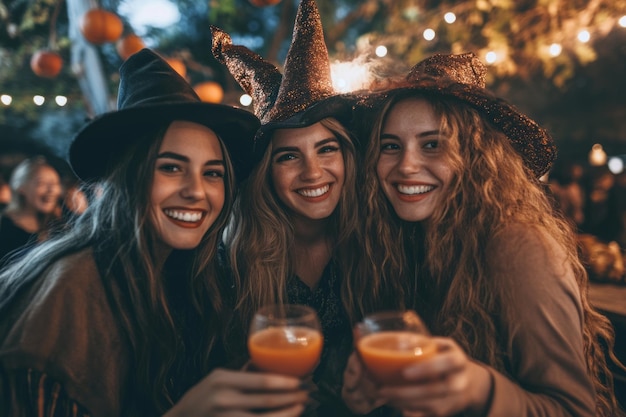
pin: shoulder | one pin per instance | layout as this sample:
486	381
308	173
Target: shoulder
524	245
63	325
527	259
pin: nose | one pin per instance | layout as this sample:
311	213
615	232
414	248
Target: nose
410	163
312	169
192	187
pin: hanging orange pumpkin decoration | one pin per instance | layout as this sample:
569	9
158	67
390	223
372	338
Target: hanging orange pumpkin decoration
99	26
129	45
178	65
45	63
263	3
210	91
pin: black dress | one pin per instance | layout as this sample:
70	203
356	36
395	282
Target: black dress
328	376
13	240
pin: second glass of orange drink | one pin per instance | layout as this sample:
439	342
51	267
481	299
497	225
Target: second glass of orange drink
387	342
285	339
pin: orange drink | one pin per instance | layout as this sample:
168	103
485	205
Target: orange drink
386	353
287	350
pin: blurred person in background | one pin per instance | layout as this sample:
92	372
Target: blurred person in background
33	209
567	188
602	217
5	188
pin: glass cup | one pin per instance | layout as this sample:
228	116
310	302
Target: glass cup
387	342
285	339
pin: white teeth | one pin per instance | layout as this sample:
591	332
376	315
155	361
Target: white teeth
184	216
314	193
414	189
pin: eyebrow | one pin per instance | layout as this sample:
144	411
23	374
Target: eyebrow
182	158
421	135
295	149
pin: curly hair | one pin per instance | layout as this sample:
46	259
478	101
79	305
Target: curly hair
117	226
491	189
261	236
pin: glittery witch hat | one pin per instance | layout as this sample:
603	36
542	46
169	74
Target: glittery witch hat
463	77
304	94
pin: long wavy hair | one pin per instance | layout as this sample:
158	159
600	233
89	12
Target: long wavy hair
154	307
491	188
261	238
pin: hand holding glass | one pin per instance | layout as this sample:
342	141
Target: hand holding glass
285	339
388	342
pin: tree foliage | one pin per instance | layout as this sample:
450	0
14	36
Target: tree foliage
518	33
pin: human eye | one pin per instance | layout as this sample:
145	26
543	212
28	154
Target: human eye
389	146
329	148
285	157
214	173
168	167
431	144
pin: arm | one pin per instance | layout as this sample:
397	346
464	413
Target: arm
543	320
542	323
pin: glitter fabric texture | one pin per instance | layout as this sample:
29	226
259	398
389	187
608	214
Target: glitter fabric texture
258	77
463	76
306	78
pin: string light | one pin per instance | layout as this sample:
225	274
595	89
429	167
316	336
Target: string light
584	36
449	17
597	155
39	100
555	49
491	57
245	100
381	51
429	34
622	21
61	100
6	99
616	165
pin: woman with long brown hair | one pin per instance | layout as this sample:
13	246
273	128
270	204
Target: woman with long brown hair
123	314
461	230
293	236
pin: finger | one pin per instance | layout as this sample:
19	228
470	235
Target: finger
253	381
250	401
449	359
292	411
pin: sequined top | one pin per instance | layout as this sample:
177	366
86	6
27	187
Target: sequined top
328	376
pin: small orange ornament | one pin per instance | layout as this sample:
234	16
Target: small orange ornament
210	91
46	63
264	3
99	26
129	45
178	65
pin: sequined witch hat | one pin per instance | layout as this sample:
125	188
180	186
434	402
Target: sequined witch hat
463	77
304	94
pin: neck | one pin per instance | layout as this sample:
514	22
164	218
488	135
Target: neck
312	250
309	231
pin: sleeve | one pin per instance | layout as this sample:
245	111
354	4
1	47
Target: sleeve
28	392
543	320
63	326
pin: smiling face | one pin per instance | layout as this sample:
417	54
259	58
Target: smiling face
188	186
412	168
308	170
41	192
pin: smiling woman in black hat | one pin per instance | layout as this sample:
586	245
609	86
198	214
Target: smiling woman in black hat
293	234
462	231
123	314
